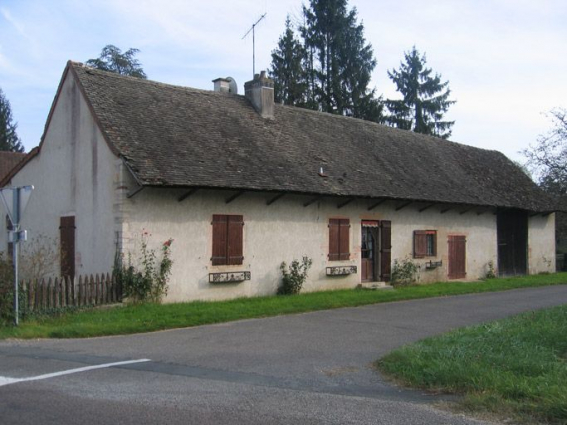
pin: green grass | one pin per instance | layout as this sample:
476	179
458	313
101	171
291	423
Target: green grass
151	317
514	368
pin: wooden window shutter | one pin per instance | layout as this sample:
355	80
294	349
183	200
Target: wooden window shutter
344	240
457	257
220	239
385	250
67	246
235	231
334	252
419	244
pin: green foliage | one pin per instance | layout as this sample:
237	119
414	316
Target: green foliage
6	290
514	366
405	272
330	68
112	59
294	277
134	318
425	98
148	281
490	271
290	79
9	140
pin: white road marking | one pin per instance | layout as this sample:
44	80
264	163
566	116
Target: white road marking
4	380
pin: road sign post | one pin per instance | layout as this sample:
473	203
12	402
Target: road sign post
19	197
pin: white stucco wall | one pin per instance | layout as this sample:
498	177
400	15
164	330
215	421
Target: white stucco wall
287	230
73	174
541	244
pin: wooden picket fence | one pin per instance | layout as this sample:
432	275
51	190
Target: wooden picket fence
51	294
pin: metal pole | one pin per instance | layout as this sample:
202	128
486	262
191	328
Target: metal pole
16	200
253	51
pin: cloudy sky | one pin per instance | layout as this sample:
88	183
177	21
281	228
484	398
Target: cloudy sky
505	59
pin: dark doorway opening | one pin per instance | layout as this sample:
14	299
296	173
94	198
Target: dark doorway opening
376	241
512	229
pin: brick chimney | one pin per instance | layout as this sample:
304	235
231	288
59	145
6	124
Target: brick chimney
260	91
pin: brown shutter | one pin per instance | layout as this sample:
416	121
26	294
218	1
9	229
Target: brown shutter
334	226
457	257
220	225
344	240
385	250
235	227
419	244
67	240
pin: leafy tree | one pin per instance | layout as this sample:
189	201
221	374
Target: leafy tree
113	60
290	79
425	98
548	158
9	140
340	60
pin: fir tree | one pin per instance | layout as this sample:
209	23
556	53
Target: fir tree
425	98
290	79
341	60
9	140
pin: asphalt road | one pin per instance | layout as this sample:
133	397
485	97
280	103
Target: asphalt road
312	368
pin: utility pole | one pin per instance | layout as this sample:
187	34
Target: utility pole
254	42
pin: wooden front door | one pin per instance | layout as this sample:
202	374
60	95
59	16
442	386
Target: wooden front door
457	257
67	240
368	251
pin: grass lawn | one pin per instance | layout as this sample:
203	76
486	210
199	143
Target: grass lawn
514	368
151	317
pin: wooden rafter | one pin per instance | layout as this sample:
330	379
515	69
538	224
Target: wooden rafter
426	207
405	204
275	198
233	197
187	194
381	201
306	204
444	210
342	204
466	210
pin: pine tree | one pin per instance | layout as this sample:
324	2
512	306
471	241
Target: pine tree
425	98
329	69
341	60
290	79
9	140
112	59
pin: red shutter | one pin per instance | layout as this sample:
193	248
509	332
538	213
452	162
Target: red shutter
220	225
385	250
344	240
235	227
334	225
419	244
457	257
67	246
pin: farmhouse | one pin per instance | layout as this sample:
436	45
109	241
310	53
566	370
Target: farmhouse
242	184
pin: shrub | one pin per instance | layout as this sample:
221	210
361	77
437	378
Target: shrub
490	271
294	276
6	291
148	283
405	272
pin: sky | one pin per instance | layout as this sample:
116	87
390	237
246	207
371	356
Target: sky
504	59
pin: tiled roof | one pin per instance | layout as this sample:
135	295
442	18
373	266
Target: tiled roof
182	137
8	160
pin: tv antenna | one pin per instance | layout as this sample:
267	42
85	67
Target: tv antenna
254	42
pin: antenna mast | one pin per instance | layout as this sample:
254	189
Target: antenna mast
254	42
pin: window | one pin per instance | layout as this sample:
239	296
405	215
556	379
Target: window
424	243
339	239
227	239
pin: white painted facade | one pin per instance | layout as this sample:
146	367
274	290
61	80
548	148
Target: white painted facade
76	173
